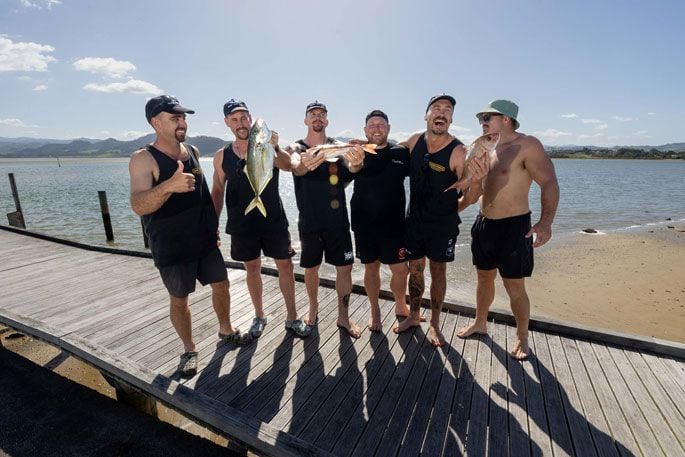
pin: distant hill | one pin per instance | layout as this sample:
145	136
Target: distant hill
82	147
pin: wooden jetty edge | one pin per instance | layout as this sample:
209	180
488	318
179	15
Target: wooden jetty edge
585	391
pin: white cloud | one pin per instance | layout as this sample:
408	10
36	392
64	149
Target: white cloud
40	88
596	135
642	134
24	56
551	134
623	119
602	127
40	4
131	134
347	133
25	78
570	116
134	86
459	129
14	122
590	121
651	114
400	136
105	66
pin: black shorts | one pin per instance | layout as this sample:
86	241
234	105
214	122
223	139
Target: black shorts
179	279
249	247
422	243
336	244
372	247
502	244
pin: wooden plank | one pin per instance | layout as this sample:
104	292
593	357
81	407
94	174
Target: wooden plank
620	435
599	428
416	431
434	439
666	380
580	432
637	422
419	389
519	431
672	414
255	434
477	433
346	385
663	433
498	436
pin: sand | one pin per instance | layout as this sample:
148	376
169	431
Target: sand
630	280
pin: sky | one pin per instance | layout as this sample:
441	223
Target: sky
585	72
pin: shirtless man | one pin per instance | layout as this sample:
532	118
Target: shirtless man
436	164
503	238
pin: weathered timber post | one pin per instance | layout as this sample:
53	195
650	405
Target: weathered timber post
145	239
104	209
16	218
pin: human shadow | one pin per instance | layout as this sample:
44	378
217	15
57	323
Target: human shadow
548	406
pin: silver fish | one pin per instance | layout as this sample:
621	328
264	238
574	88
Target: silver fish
333	152
259	163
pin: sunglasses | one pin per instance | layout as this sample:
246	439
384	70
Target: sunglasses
486	117
424	165
240	165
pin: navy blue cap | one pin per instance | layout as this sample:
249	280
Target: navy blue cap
164	104
234	105
315	105
376	113
435	98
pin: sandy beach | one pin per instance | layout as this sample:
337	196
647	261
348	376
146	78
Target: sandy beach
630	280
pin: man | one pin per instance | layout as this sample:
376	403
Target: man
436	163
502	236
323	223
378	210
169	191
253	233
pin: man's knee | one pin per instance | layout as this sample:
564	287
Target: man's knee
285	267
516	288
486	276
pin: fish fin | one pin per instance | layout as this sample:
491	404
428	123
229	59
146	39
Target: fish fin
256	203
370	148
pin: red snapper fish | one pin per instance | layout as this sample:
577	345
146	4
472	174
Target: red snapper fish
481	146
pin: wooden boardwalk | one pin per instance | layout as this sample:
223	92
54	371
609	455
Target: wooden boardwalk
380	395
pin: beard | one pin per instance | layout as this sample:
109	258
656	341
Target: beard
180	135
242	134
318	128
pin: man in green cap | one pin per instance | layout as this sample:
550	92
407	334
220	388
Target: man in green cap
502	236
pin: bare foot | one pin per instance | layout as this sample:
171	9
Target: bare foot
313	319
521	350
435	336
351	328
406	324
375	324
478	329
404	312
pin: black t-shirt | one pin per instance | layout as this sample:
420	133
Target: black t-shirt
378	203
430	207
239	194
185	227
320	195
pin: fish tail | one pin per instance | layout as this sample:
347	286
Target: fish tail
256	203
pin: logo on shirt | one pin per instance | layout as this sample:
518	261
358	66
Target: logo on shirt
450	248
349	255
436	167
397	161
401	254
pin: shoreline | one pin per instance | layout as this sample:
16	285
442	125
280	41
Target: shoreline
623	280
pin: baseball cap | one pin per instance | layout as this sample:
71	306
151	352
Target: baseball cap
315	105
435	98
376	113
165	104
234	105
505	107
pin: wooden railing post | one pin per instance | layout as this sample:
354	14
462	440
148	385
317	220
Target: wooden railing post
104	209
16	218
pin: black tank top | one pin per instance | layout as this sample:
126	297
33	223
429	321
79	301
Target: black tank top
429	205
185	227
239	194
378	203
320	197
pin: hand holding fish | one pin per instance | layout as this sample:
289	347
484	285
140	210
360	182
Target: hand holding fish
354	158
181	182
274	139
311	160
477	161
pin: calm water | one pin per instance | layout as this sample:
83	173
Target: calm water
603	194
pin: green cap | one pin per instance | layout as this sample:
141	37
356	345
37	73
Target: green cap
505	107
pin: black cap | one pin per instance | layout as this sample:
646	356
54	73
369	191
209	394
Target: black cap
166	104
435	98
376	113
315	105
234	105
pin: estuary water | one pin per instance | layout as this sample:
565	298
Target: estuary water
62	199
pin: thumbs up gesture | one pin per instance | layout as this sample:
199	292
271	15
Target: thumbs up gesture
181	182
